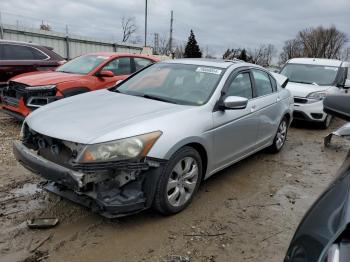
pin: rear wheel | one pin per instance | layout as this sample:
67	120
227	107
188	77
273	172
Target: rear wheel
179	181
280	137
327	122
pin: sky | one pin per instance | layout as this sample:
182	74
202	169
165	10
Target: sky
217	24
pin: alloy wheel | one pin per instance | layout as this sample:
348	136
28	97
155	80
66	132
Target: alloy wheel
281	134
182	181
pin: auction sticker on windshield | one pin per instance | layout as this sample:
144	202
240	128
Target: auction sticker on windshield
331	68
102	57
208	70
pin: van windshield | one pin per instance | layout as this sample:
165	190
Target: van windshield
310	74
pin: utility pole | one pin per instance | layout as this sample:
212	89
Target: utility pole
156	43
171	32
146	23
1	28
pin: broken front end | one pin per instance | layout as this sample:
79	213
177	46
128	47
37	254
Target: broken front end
19	99
113	188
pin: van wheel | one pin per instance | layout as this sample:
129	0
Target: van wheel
327	122
281	136
179	182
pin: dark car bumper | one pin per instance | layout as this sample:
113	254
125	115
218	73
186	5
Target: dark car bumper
102	198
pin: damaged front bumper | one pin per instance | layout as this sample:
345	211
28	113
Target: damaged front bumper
343	131
130	191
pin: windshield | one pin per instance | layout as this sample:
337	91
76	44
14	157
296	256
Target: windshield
174	83
310	74
82	64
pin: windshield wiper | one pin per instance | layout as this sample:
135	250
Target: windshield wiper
61	71
301	82
162	99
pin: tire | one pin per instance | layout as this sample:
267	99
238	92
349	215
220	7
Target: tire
179	181
280	137
327	122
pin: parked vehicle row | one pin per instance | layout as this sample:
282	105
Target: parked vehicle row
20	57
310	81
27	92
153	138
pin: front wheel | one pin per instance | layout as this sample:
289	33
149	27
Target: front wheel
280	137
179	181
327	122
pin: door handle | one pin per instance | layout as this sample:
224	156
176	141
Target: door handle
278	99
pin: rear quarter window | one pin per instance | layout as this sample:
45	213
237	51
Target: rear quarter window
21	52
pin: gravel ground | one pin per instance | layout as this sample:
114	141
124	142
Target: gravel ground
247	212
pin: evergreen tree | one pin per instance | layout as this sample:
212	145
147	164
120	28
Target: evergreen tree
243	55
227	54
192	49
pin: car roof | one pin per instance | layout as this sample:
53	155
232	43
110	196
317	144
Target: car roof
315	61
117	54
220	63
18	42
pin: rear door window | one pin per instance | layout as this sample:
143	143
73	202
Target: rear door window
119	66
141	63
262	83
19	52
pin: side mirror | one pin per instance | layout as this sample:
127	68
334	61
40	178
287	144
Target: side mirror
337	105
106	73
234	102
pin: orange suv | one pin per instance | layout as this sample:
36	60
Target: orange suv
29	91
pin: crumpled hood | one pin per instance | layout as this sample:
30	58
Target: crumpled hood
90	118
46	78
302	90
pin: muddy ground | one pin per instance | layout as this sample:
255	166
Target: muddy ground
248	212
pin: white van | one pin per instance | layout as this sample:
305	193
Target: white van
310	80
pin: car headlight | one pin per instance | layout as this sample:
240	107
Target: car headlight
41	88
122	149
317	96
333	253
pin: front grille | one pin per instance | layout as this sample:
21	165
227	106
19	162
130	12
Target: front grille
300	100
10	101
15	89
18	90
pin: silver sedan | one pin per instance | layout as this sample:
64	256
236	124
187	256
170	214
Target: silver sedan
153	138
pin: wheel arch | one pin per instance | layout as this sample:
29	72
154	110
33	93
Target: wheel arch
196	143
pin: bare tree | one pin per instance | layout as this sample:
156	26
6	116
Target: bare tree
163	45
322	42
232	53
345	56
262	55
180	50
128	27
317	42
292	48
